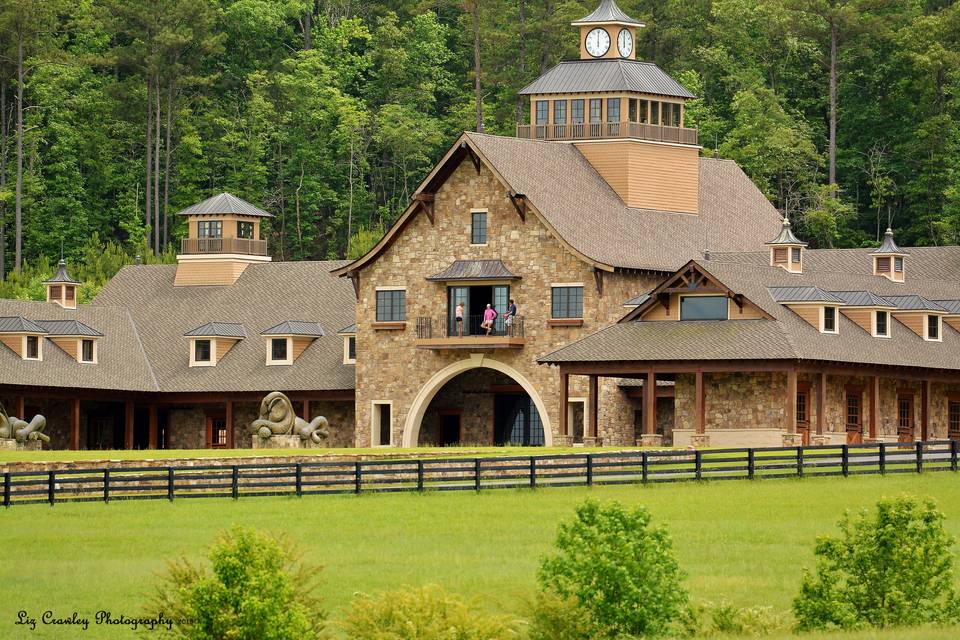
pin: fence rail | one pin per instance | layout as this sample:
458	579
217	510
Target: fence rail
475	474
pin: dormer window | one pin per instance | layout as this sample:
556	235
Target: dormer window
31	349
279	350
202	352
88	351
881	326
933	328
286	341
210	342
350	350
828	322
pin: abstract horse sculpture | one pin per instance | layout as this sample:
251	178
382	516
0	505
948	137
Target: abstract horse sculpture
20	430
278	418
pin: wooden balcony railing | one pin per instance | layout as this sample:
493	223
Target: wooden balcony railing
606	130
243	246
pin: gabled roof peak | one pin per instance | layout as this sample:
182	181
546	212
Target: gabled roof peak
608	11
889	246
786	236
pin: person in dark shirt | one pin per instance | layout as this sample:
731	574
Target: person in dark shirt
509	317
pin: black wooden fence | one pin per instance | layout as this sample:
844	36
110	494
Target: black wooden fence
451	474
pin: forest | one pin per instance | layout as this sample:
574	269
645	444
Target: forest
115	114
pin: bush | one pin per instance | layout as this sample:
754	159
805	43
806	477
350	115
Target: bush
890	569
425	613
619	569
556	618
257	590
710	620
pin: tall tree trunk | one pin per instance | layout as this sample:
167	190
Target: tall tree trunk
832	177
156	168
4	132
350	201
166	167
18	215
523	56
148	191
476	64
307	24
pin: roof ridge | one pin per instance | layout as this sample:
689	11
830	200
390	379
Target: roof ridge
146	358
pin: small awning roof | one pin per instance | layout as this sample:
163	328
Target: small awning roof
475	270
60	328
295	328
218	329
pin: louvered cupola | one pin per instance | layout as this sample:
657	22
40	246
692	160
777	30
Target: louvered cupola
786	250
61	288
888	260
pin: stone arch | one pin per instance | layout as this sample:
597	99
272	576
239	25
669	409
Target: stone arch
411	428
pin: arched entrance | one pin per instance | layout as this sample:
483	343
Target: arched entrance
411	428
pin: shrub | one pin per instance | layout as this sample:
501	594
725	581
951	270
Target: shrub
619	569
425	613
556	618
257	589
890	569
709	620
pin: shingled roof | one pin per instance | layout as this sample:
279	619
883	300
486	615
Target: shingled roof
604	75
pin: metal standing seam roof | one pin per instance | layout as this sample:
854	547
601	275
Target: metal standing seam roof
68	328
590	76
218	330
295	328
786	236
953	306
608	11
914	303
803	294
348	331
863	299
636	302
475	270
889	246
62	276
225	203
19	324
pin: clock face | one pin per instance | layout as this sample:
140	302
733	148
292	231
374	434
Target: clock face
598	42
625	43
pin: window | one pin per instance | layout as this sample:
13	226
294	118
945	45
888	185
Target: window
543	109
613	109
352	347
392	306
86	351
217	431
576	111
933	327
33	348
632	110
210	229
882	321
779	256
654	112
245	230
567	302
69	293
201	351
802	415
703	307
883	265
559	112
829	319
671	114
381	425
596	108
645	111
795	252
278	349
953	419
55	292
853	409
898	265
478	227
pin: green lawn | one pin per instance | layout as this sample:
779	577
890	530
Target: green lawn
743	542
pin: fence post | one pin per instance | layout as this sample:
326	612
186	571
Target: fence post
533	472
6	489
698	464
883	458
476	474
299	480
589	469
644	468
953	455
51	484
419	475
170	484
750	464
235	481
845	461
357	477
800	462
919	457
106	485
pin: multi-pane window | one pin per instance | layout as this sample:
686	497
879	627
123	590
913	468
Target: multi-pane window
543	111
86	350
245	230
391	306
671	114
576	111
829	319
795	251
953	419
210	229
478	227
883	328
33	348
218	432
802	408
853	409
703	308
278	349
559	112
596	109
898	265
567	302
201	351
933	327
613	109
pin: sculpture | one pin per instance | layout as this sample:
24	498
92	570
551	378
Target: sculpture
277	418
21	430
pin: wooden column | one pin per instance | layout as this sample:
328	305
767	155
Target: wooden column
19	409
75	424
153	426
925	410
791	401
821	402
650	403
874	406
306	409
701	404
228	418
128	425
592	402
564	403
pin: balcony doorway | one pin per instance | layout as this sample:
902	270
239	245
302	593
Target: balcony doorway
475	300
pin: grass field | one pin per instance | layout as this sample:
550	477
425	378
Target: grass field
741	542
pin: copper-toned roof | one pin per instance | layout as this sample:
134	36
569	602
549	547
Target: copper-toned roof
475	270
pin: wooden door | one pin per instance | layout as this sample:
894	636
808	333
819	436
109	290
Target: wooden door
216	432
854	415
905	424
803	413
953	418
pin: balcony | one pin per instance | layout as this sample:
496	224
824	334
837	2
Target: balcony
447	333
243	246
608	130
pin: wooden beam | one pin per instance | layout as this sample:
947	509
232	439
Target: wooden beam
821	402
306	409
874	406
128	425
598	279
520	204
355	280
701	404
924	409
791	401
75	424
564	403
592	404
650	403
153	426
229	421
426	201
473	156
19	409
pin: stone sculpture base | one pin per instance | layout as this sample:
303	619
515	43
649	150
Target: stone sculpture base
699	440
650	440
820	440
592	442
792	439
283	442
9	444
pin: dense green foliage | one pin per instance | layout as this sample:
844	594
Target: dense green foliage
423	613
619	569
256	590
891	568
329	112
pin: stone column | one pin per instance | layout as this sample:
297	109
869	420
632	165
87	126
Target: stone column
650	437
820	437
700	438
593	440
874	407
791	438
564	439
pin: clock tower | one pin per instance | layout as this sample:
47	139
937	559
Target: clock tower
608	32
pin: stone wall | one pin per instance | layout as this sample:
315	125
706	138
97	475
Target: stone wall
733	401
391	368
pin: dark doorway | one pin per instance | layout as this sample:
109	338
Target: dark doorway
105	427
516	421
475	300
384	424
450	429
141	428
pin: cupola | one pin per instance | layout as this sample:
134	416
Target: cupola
786	250
888	260
61	288
608	32
223	239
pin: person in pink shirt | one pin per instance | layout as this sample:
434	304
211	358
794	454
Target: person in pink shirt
489	315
